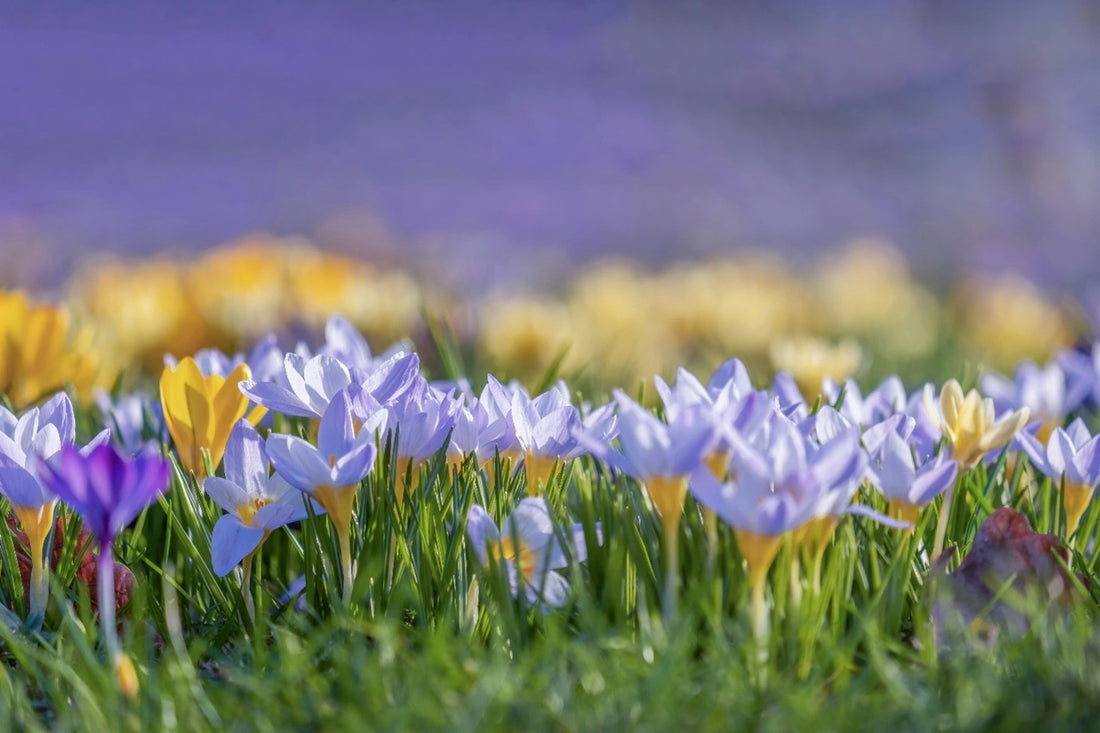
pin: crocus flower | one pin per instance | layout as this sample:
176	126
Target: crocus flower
330	472
134	419
421	422
967	422
306	386
256	501
25	443
1071	455
782	484
256	504
544	427
887	399
1047	392
108	490
37	352
528	548
201	410
475	432
907	487
660	456
310	386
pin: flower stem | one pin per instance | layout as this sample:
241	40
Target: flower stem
710	523
246	587
941	523
819	562
348	565
105	570
672	565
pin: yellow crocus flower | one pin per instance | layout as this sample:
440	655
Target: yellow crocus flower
968	422
201	411
38	352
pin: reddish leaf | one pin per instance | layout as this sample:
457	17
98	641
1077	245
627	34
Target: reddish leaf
1006	550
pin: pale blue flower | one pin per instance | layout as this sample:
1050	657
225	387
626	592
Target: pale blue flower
256	501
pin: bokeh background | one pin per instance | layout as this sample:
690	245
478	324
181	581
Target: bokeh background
507	140
486	147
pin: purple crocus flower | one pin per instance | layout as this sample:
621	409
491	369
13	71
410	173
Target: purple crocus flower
1071	455
108	489
257	502
545	428
1048	393
908	487
26	444
528	548
330	472
309	386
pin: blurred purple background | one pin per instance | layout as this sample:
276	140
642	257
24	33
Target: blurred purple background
515	139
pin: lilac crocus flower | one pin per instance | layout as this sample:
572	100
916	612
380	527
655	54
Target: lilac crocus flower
545	428
1082	370
25	444
660	456
256	501
1048	393
343	341
905	485
135	420
309	386
528	548
330	472
108	490
1071	455
475	432
782	483
421	422
887	399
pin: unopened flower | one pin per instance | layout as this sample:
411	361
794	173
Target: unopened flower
201	410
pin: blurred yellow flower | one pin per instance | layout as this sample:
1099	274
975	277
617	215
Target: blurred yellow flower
240	289
1007	320
201	411
522	337
866	290
142	310
811	360
384	305
39	353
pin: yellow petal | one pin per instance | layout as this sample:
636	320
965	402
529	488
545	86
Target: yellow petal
951	402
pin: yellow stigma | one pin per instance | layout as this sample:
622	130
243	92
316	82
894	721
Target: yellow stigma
522	556
247	510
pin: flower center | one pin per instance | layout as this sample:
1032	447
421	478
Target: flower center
247	510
